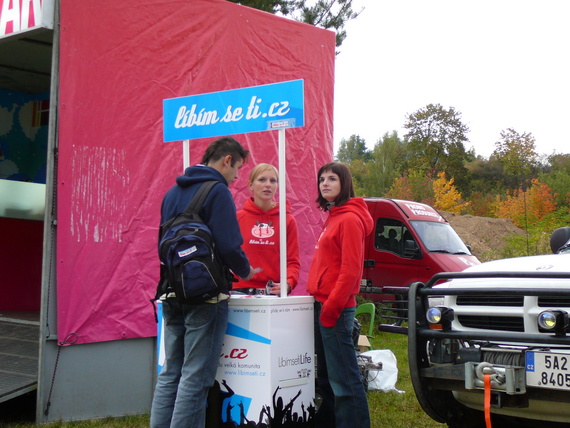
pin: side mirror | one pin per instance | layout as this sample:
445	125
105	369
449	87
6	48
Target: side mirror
411	249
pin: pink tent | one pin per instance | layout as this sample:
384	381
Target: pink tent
118	61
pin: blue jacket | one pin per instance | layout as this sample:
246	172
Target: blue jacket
218	212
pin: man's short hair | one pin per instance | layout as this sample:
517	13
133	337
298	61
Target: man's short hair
222	147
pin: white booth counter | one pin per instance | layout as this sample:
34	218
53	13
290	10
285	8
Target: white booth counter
266	371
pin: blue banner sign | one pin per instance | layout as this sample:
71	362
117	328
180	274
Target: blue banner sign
237	111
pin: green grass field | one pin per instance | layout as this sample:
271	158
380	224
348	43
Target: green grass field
391	409
387	410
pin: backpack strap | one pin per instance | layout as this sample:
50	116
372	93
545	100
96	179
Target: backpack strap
198	199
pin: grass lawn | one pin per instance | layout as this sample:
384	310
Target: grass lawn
391	409
387	410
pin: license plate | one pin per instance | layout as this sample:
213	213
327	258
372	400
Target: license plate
548	370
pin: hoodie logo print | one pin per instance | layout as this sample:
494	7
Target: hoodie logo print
263	230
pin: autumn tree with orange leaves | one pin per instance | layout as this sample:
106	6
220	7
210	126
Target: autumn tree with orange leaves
413	186
527	207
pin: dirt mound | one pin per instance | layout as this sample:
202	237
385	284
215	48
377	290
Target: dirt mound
485	235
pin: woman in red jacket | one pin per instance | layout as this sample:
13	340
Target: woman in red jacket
334	281
259	224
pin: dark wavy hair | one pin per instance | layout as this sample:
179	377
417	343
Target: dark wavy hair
222	147
346	186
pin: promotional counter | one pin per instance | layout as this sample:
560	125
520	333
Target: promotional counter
266	371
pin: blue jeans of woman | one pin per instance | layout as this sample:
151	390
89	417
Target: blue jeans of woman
193	337
344	402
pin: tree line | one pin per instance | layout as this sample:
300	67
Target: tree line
430	164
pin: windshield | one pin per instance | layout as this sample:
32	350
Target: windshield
440	237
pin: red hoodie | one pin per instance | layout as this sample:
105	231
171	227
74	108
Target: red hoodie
260	231
336	270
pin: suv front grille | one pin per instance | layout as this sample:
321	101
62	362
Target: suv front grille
486	322
491	300
554	301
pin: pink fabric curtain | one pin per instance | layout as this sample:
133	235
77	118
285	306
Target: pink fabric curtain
118	61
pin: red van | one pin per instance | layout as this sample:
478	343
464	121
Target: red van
411	242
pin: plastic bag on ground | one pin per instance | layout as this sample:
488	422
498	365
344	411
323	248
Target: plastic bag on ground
385	379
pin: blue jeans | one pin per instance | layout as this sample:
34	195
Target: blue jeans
344	402
193	337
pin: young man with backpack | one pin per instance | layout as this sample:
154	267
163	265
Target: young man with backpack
193	333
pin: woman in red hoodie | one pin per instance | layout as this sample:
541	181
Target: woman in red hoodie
259	224
334	281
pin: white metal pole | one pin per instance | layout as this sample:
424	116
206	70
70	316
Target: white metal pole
282	214
185	155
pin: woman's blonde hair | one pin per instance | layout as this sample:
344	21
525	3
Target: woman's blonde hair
259	169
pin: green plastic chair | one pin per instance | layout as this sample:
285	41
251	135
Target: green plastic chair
370	309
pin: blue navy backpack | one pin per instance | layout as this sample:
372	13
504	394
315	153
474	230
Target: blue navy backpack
190	266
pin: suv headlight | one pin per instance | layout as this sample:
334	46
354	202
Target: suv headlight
440	318
553	320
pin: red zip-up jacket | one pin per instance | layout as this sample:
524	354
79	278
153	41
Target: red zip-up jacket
260	231
336	270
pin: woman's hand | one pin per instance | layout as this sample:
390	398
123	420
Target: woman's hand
276	288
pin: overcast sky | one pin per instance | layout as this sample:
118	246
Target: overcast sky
501	64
